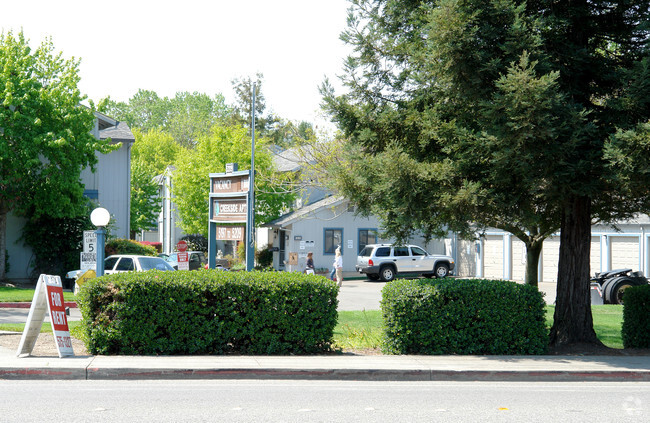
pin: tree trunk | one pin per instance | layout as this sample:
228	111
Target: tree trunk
533	252
572	321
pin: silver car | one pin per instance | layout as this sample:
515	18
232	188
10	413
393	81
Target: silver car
385	262
128	263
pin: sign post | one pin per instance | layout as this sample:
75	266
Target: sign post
48	296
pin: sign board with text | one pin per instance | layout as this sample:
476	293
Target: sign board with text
229	210
230	233
183	261
48	297
88	258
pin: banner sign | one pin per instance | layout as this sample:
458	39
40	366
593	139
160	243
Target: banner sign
48	296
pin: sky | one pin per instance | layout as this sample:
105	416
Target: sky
194	45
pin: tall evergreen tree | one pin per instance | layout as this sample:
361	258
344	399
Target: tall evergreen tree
466	114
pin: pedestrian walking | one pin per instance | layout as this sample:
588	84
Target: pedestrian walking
338	266
309	267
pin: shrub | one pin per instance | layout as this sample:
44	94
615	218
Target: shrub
636	325
128	246
208	312
463	317
264	257
156	245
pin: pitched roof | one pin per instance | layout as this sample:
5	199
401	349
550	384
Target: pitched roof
305	212
118	132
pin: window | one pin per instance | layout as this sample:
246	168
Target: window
367	236
109	263
401	251
417	251
333	238
125	264
382	252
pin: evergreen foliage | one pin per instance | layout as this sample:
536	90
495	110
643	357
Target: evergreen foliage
528	116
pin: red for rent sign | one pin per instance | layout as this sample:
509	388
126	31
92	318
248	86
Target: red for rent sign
57	315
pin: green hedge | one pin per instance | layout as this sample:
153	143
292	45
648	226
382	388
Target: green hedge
128	246
208	312
454	316
636	325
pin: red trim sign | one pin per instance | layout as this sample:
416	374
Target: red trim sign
48	296
183	261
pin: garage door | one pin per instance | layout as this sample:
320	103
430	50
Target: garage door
518	259
594	262
493	260
466	266
550	257
625	252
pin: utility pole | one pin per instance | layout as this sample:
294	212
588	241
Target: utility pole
250	224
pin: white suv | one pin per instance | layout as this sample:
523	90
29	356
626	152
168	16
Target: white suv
385	261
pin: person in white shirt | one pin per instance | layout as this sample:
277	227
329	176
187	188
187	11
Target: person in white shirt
338	266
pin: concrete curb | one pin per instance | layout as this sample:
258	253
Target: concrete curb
360	368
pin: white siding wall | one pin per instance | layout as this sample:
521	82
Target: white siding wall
114	173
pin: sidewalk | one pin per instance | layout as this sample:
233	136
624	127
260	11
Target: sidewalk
330	367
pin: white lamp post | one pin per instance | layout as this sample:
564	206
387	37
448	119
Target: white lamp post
100	218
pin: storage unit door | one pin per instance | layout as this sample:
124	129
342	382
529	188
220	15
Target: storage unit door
493	259
625	252
466	266
550	257
594	262
518	260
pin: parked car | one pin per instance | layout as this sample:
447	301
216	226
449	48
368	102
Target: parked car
128	263
385	262
197	260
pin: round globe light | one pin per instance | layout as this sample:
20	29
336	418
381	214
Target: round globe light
100	217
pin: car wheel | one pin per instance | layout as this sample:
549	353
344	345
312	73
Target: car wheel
442	271
373	276
387	273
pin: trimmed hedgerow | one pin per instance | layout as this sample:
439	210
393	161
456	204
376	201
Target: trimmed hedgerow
208	312
128	246
636	325
454	316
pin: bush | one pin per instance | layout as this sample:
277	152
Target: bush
463	317
128	246
636	325
156	245
208	312
264	257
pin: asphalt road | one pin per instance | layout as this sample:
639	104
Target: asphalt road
322	401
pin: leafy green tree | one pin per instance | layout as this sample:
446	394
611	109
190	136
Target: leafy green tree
151	154
225	144
511	114
186	116
45	134
243	88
